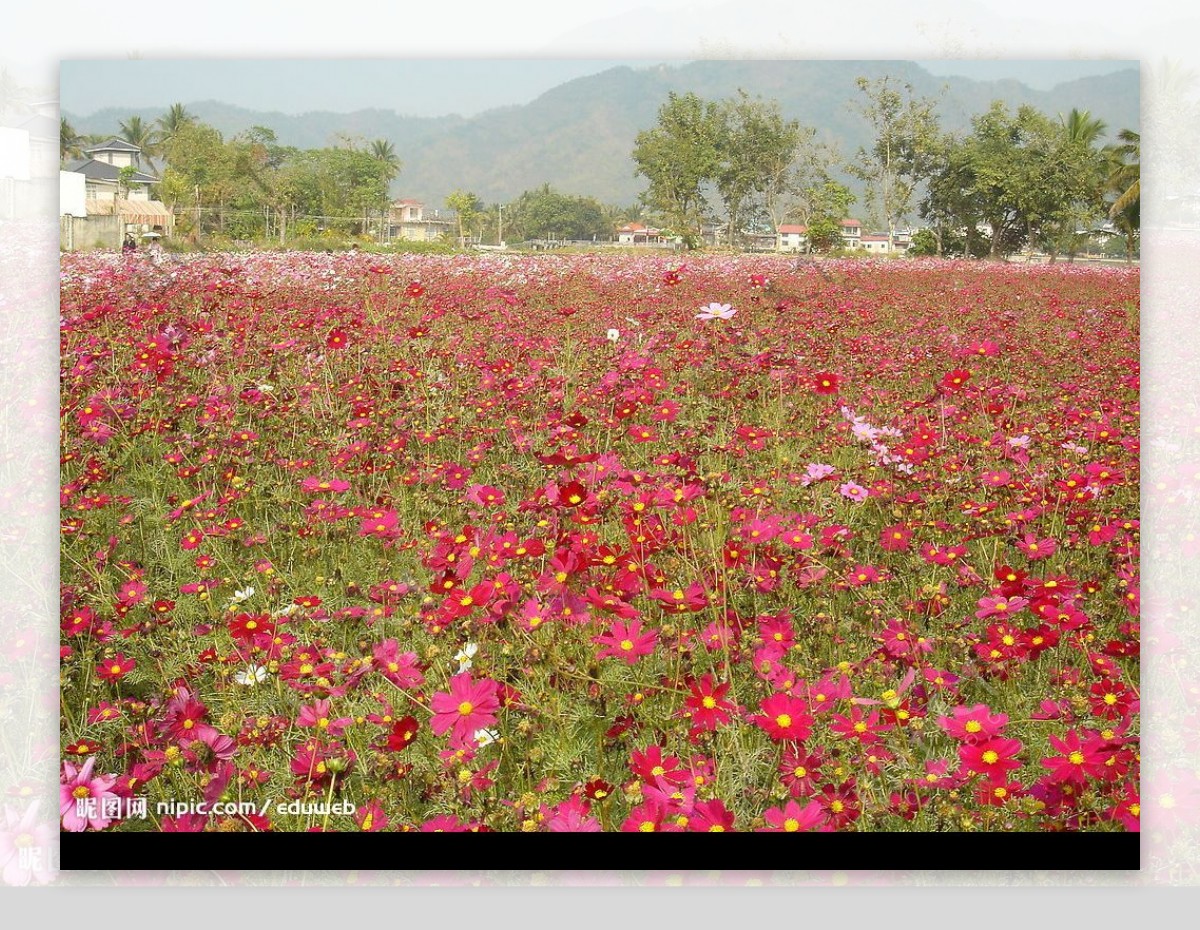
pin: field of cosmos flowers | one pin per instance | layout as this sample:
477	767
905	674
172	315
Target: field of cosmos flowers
598	542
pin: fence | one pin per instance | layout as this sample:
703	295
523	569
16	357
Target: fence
90	232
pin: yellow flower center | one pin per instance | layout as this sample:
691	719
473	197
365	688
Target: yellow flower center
791	825
709	701
465	708
626	645
991	757
1076	758
784	720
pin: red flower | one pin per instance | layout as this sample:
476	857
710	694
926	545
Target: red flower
403	732
992	758
954	380
1079	759
706	705
116	668
826	383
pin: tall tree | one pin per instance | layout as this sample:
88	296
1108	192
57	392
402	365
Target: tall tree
1125	182
466	207
826	205
384	152
70	142
791	188
906	130
136	131
755	146
679	157
1082	205
171	122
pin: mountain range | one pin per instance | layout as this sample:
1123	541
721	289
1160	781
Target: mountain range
579	135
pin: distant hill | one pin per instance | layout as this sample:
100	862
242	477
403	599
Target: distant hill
579	135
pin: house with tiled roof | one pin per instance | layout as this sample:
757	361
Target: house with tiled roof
638	234
791	237
108	195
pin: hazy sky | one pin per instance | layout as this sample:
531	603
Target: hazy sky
412	87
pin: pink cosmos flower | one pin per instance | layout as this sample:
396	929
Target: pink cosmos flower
571	816
23	832
314	485
974	724
318	715
855	492
1035	548
467	707
82	797
793	818
626	641
784	717
1000	606
715	311
991	759
400	668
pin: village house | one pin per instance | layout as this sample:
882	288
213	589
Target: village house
407	222
106	193
639	234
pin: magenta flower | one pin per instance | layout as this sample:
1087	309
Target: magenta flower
400	668
1000	606
467	707
82	797
24	832
318	715
976	724
626	641
794	819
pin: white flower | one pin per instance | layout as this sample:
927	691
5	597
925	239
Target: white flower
485	737
464	655
251	675
243	595
715	311
613	335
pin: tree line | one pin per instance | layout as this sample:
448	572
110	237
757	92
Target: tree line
1014	180
250	187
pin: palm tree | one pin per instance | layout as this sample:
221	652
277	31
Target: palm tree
170	123
1083	128
1082	132
385	153
1126	178
1125	182
69	141
13	96
137	132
